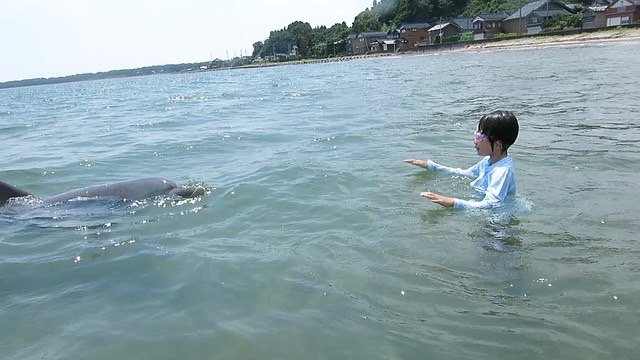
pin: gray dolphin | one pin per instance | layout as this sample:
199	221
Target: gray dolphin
131	190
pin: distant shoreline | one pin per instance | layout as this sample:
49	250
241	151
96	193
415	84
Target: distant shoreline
528	42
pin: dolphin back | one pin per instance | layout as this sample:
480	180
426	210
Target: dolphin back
131	190
8	191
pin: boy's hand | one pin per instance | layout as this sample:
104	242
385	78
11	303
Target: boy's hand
438	199
417	162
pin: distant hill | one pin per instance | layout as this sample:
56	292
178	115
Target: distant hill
149	70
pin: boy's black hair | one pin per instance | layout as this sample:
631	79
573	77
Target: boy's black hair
500	125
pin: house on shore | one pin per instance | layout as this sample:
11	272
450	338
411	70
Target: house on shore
464	22
438	33
486	26
414	35
530	18
623	12
361	43
594	16
388	43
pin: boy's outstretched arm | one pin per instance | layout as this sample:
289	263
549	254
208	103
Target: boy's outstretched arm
438	199
417	162
429	164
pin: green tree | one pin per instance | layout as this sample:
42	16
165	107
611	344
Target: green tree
385	10
466	36
475	7
561	22
301	32
427	10
366	21
405	11
257	49
328	41
335	39
280	41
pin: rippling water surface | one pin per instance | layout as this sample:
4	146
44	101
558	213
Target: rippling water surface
312	241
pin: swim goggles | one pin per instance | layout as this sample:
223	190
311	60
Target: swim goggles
479	137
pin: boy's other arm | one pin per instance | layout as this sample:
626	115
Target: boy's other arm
439	199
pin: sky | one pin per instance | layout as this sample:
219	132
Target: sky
44	38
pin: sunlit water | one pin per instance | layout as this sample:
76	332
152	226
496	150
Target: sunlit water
312	241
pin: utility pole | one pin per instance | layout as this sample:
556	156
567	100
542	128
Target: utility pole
546	19
520	21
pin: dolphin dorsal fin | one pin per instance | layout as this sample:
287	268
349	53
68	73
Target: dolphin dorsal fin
8	191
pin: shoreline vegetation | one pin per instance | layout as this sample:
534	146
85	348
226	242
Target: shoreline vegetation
517	43
501	44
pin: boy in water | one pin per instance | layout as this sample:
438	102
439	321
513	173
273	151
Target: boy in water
495	174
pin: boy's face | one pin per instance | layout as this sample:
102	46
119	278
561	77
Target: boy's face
483	145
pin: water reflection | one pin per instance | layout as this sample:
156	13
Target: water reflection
499	235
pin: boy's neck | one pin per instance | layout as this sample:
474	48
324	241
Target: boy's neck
494	158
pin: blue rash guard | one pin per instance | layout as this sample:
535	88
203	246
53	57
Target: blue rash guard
496	181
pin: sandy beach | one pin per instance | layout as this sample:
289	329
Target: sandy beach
559	40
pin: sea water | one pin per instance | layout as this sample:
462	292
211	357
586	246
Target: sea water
312	240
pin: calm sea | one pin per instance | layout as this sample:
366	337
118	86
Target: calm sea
312	241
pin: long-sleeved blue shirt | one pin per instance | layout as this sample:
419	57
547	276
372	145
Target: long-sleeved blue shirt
496	181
